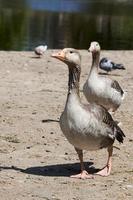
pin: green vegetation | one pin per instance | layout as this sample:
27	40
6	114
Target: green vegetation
23	26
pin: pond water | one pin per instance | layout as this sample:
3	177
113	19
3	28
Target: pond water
25	24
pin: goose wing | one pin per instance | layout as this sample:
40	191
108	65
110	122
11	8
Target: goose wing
116	86
107	119
103	116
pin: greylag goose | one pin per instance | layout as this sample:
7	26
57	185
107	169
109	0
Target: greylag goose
39	50
87	127
99	89
108	65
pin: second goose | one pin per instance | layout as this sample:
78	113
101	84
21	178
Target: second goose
101	90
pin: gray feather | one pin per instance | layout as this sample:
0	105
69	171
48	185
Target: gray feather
108	65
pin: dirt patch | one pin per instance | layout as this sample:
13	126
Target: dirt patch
35	158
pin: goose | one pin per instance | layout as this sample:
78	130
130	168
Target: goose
99	89
108	65
87	127
39	50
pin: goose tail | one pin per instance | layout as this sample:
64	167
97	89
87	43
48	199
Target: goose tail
124	95
119	134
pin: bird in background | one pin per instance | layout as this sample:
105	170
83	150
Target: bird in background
108	65
87	127
39	50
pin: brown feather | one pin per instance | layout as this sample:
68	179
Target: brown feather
116	86
103	115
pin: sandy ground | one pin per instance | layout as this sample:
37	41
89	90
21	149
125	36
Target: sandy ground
35	158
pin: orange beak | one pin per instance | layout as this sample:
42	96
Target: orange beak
60	55
91	49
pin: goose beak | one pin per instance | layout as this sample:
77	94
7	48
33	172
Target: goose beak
59	55
91	49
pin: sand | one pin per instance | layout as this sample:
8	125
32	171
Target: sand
35	158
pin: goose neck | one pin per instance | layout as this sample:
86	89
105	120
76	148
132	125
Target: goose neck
74	78
95	61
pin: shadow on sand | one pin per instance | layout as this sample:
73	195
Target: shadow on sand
49	120
54	170
35	57
108	74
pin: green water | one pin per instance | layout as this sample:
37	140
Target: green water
25	24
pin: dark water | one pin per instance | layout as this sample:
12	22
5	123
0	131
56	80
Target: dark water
66	23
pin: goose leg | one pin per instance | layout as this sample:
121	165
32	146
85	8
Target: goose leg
84	174
107	169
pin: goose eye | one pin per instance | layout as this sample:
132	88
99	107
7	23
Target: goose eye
71	51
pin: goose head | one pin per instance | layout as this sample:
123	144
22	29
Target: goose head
94	47
69	56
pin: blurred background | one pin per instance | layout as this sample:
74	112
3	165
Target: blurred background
25	24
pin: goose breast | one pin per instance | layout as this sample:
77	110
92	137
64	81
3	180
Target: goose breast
83	130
